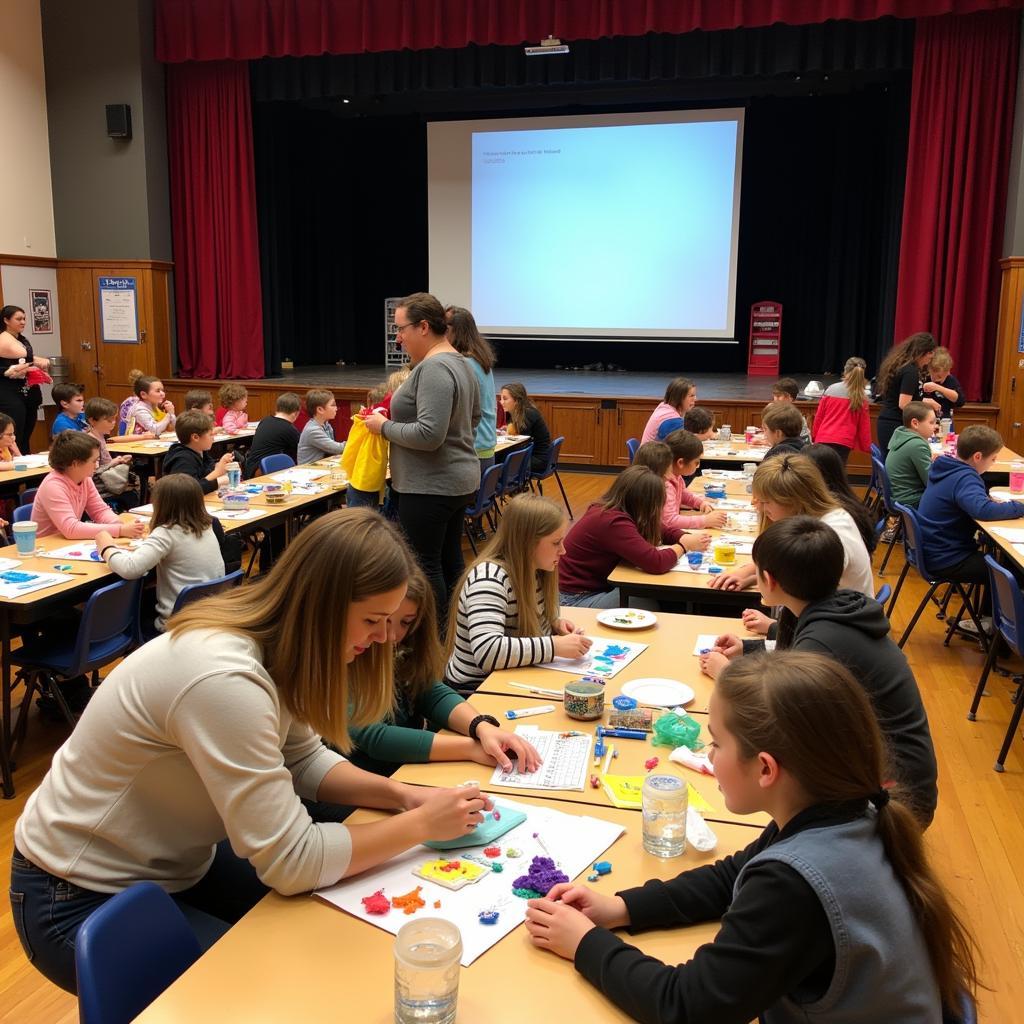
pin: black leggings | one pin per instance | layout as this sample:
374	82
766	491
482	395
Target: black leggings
22	409
433	525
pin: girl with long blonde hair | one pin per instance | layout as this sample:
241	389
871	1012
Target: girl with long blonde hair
792	485
841	420
833	913
411	733
188	765
505	612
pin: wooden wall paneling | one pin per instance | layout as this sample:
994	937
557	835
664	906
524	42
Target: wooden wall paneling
581	422
1008	385
78	325
629	419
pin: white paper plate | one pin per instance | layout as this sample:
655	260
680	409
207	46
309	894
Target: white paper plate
627	618
663	693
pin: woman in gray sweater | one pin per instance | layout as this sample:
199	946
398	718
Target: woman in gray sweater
435	471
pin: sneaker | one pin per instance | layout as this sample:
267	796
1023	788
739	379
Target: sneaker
968	626
888	535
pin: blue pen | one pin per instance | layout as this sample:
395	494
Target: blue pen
625	734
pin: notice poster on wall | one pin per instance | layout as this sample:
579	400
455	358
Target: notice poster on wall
119	310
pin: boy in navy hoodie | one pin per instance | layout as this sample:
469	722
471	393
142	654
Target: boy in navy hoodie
799	562
954	498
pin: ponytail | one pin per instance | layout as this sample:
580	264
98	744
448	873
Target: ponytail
810	713
855	380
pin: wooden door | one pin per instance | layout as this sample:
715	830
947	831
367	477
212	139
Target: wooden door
1008	391
628	420
578	420
115	360
78	326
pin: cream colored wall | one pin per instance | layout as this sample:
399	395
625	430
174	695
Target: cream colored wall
26	202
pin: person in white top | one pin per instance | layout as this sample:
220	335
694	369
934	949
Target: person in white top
183	543
792	485
212	732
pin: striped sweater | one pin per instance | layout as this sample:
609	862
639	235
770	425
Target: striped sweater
487	619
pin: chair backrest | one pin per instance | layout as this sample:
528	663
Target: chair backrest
525	470
194	591
511	469
128	951
913	536
109	625
878	466
876	452
122	428
553	452
275	463
28	495
22	513
1007	604
884	594
631	446
485	493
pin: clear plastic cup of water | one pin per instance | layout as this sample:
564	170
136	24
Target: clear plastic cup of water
427	956
664	799
234	474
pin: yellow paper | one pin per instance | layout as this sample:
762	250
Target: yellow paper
626	790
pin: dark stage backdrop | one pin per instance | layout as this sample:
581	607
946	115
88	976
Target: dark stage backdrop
342	194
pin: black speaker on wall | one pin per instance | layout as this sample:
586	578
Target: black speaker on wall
119	121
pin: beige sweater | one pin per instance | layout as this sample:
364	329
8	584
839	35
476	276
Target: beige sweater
185	743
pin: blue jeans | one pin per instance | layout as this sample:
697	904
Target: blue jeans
48	911
355	498
599	599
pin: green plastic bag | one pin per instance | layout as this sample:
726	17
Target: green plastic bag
672	730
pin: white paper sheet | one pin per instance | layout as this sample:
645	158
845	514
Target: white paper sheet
606	658
83	551
1015	536
237	513
36	461
721	474
41	581
705	642
566	762
299	475
573	841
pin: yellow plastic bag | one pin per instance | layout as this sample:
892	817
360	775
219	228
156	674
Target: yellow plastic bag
365	458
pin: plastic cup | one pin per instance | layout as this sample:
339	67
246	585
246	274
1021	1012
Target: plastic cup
749	469
20	466
25	537
725	432
1017	478
664	799
945	426
234	475
427	955
695	558
725	553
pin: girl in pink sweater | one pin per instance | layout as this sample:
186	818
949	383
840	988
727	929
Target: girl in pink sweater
680	397
234	399
68	491
673	460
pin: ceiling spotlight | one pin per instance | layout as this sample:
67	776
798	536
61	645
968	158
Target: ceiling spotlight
547	47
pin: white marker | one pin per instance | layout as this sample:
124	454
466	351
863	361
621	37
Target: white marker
541	709
537	689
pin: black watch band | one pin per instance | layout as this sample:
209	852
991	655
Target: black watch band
474	725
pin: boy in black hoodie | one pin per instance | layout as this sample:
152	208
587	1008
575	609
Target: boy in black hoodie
799	562
782	425
191	453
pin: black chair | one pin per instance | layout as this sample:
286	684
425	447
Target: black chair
887	506
551	470
1008	625
913	549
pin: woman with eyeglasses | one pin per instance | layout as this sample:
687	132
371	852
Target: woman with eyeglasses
435	471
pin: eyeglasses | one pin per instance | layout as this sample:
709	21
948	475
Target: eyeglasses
401	327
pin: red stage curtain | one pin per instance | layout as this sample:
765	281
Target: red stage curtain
961	124
250	29
213	221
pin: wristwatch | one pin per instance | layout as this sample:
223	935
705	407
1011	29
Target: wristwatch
475	724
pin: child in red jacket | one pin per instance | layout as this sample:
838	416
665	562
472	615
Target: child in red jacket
842	421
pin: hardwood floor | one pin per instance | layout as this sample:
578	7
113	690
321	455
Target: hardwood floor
976	839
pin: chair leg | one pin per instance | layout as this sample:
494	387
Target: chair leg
565	497
892	544
53	688
980	689
1014	722
469	534
896	592
917	615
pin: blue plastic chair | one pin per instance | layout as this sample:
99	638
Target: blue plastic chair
876	452
28	495
913	550
196	591
128	951
1008	623
108	628
967	1012
888	505
275	464
873	494
883	594
551	470
511	472
523	480
484	502
631	446
22	514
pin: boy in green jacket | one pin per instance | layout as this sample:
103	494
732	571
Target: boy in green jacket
910	454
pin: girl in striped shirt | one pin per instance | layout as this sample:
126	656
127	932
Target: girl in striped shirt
506	611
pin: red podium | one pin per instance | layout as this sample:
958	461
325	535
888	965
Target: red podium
765	339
